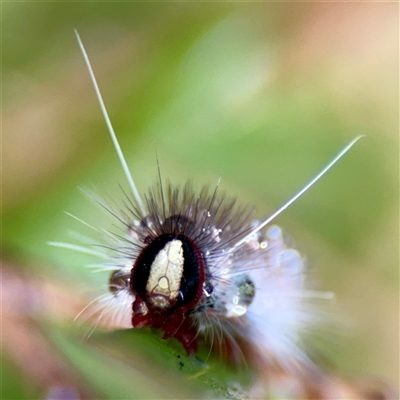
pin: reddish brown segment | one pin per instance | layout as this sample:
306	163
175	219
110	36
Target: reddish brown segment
175	319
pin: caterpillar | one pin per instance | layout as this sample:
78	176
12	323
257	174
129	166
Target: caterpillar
195	264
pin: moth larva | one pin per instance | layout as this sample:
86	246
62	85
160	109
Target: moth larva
194	263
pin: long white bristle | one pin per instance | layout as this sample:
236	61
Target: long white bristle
79	249
81	221
299	193
110	127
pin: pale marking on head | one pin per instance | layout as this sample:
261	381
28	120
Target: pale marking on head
166	271
298	194
110	128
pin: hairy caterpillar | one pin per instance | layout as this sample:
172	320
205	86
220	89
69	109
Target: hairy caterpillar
195	264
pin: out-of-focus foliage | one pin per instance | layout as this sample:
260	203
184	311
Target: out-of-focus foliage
262	95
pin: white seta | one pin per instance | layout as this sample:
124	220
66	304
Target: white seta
261	304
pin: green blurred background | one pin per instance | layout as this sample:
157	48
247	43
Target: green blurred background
262	95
